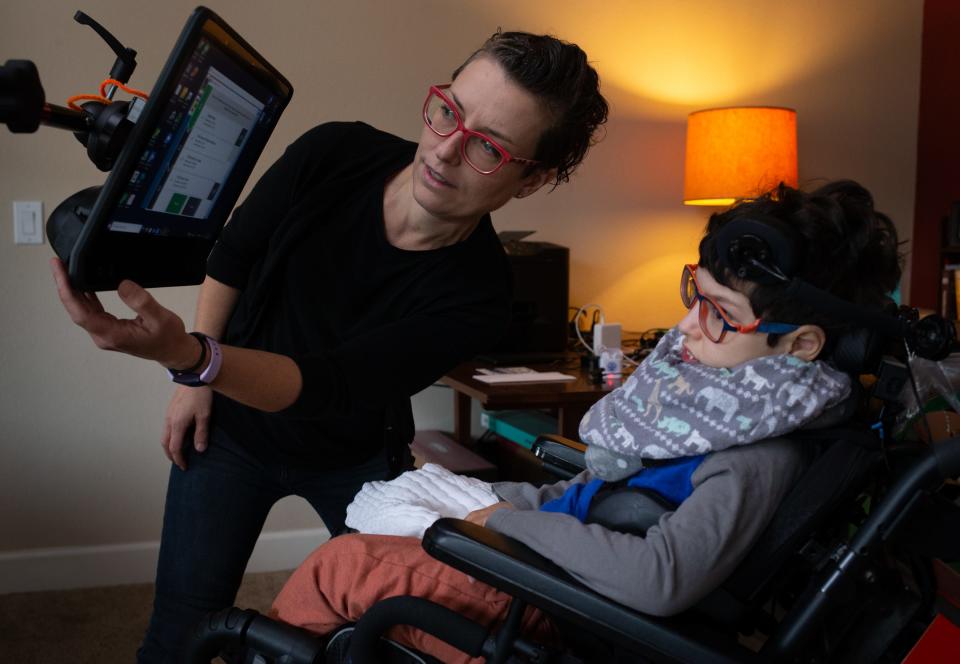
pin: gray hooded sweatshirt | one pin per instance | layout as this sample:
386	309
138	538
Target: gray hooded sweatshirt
690	552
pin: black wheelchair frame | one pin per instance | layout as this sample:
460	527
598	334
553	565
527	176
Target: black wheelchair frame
826	581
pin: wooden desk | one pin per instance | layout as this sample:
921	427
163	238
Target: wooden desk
571	398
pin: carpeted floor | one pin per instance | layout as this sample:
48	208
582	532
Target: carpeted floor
96	625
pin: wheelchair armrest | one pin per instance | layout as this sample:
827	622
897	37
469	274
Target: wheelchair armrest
242	629
561	456
516	569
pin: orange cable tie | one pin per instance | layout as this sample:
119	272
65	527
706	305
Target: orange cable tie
72	101
113	81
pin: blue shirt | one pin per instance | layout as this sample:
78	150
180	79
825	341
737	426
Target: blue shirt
671	481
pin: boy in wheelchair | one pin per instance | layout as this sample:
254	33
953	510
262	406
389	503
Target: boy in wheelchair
697	434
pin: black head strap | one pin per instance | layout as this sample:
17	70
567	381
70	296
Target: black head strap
761	250
764	250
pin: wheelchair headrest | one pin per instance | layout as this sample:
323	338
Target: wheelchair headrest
857	351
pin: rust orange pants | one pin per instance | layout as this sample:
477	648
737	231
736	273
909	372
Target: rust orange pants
340	580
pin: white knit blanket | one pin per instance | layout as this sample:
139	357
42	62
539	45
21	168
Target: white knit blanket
408	504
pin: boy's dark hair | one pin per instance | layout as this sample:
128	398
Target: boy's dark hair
848	249
558	73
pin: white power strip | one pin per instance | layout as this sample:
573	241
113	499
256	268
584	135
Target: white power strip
606	347
606	336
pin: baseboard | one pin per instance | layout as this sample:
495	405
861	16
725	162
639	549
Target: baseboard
63	568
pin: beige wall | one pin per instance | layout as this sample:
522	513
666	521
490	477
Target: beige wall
80	462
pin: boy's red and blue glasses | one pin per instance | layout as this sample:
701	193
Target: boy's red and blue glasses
483	153
714	321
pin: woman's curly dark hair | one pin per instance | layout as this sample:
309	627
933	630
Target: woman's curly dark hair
558	73
846	248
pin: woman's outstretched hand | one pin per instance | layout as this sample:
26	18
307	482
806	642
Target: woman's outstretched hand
259	379
155	334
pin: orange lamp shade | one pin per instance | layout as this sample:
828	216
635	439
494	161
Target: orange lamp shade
739	153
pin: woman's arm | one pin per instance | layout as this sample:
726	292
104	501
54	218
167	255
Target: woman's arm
262	380
190	408
215	305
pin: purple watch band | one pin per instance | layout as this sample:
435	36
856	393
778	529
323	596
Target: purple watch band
216	359
191	379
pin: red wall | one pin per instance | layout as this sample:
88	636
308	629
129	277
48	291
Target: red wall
938	145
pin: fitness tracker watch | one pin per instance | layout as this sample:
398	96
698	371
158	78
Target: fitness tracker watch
189	377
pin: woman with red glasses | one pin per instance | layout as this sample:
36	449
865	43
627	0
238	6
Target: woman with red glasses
361	267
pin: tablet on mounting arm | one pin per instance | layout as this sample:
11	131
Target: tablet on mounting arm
188	157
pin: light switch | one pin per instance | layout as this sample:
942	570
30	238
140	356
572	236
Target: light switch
28	222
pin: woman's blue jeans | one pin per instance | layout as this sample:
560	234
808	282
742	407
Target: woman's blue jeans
214	513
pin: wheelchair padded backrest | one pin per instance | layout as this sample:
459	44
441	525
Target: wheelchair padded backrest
840	461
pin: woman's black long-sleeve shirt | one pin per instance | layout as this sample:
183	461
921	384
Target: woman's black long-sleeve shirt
368	324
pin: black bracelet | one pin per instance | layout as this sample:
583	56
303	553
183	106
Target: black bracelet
199	336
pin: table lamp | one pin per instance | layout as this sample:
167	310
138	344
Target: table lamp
739	153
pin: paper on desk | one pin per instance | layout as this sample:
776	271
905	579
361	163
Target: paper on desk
529	377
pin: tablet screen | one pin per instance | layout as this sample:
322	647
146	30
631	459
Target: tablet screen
206	122
181	171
